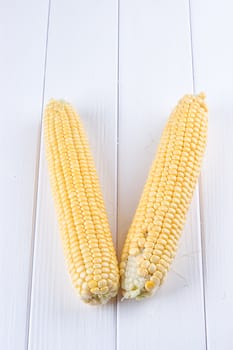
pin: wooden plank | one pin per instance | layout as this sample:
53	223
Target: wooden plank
82	68
213	57
155	71
22	42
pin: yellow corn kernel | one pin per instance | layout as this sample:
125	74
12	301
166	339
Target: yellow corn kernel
161	212
79	203
149	285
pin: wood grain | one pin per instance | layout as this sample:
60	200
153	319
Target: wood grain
22	42
213	57
155	71
82	68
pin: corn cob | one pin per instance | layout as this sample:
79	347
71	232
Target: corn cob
152	239
82	217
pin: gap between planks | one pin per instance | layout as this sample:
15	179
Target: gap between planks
199	188
36	188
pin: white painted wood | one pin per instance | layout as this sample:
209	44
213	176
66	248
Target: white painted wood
155	71
82	68
22	43
213	56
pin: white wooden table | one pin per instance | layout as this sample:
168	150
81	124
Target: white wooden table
123	65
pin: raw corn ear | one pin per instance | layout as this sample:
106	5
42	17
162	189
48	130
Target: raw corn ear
152	239
82	217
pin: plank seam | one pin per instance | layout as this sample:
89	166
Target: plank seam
36	190
117	158
199	197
